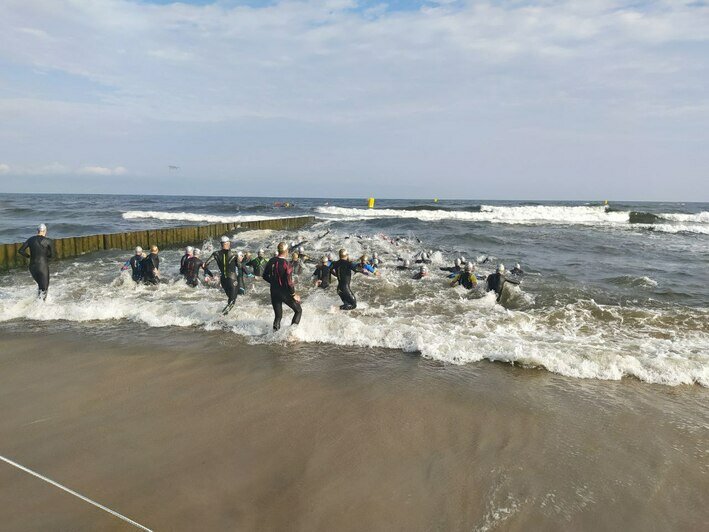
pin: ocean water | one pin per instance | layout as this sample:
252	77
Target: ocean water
609	292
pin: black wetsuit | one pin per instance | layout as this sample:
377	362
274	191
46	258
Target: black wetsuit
322	274
41	250
151	264
496	281
183	263
453	269
136	267
517	271
191	270
278	273
226	262
342	269
258	264
419	275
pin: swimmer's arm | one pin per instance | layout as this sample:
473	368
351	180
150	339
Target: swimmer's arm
22	251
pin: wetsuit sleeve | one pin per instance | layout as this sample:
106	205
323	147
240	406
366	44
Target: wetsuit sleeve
455	280
210	259
22	251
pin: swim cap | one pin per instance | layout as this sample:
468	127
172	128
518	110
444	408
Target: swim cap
42	228
456	262
154	249
330	255
224	239
375	262
239	253
423	269
424	256
261	252
189	250
462	259
343	253
324	260
282	247
407	263
301	250
375	255
295	255
197	252
469	267
500	268
138	250
518	266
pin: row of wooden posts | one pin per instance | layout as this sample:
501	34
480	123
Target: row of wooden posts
69	247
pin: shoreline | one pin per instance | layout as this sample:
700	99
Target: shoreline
182	430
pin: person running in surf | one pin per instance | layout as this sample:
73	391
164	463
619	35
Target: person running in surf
322	273
342	269
41	250
189	251
192	267
258	263
279	274
496	281
226	262
135	264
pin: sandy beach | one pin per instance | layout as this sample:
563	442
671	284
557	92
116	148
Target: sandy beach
186	431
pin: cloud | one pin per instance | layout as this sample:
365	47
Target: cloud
4	168
101	170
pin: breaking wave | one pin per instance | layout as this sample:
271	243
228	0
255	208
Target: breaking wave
191	217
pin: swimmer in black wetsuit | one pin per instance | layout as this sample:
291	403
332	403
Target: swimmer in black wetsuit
455	269
41	250
192	267
189	251
151	266
423	272
406	265
226	262
517	270
322	273
279	274
496	281
135	263
258	263
342	269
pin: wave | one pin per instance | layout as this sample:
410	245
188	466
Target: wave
581	338
191	217
538	215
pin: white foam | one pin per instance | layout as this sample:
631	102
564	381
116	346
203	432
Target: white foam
583	340
192	217
531	215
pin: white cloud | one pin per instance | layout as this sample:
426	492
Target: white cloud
101	170
4	168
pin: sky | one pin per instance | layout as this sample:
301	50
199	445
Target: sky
555	99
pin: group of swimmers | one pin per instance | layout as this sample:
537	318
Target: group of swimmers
278	271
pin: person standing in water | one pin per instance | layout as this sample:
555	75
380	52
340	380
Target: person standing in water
466	278
322	273
135	263
258	263
279	274
226	262
41	250
151	266
342	269
189	251
496	281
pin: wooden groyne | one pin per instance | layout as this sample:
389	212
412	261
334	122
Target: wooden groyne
74	246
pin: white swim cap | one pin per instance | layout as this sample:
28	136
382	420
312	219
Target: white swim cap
324	260
423	268
456	262
375	261
500	268
462	258
407	263
197	252
224	239
518	266
469	267
240	254
261	252
42	228
301	250
375	255
189	250
138	250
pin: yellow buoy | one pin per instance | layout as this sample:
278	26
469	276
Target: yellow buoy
371	203
435	200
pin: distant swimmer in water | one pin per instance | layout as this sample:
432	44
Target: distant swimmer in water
278	273
226	262
294	246
189	251
151	266
496	281
258	263
375	257
364	267
135	264
241	272
41	250
342	269
303	257
517	270
321	275
423	272
296	264
455	269
466	278
406	265
423	258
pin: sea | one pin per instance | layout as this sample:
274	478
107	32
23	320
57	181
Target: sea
609	291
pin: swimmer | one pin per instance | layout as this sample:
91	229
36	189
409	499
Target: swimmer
455	269
258	263
423	272
364	267
189	251
342	269
278	273
466	278
135	263
296	264
192	266
151	266
41	250
496	281
321	274
226	262
406	265
517	270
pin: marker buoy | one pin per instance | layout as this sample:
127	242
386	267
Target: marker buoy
370	203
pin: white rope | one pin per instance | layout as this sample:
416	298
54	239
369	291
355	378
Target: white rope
75	494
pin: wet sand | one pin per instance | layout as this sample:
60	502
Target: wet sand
199	431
